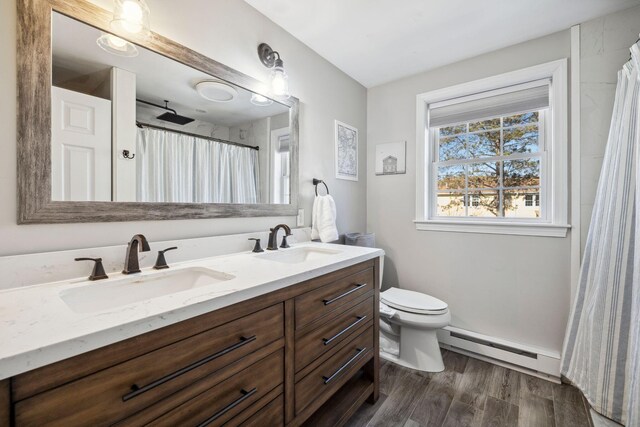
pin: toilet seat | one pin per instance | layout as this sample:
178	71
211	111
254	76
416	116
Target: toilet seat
413	302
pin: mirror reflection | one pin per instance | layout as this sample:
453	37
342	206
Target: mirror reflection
131	125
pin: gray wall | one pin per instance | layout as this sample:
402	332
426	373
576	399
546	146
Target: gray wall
229	32
511	287
604	48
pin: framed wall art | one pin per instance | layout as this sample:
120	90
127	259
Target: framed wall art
391	158
346	139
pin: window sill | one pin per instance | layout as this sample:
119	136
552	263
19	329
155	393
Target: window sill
484	227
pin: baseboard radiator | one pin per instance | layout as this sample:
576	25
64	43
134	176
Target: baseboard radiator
534	361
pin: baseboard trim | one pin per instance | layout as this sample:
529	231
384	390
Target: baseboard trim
534	361
502	363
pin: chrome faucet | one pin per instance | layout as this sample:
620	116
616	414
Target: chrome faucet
131	262
273	237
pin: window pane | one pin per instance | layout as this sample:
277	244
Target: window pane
481	177
483	144
452	130
484	175
523	139
522	203
521	173
450	204
520	119
452	148
483	204
451	177
484	124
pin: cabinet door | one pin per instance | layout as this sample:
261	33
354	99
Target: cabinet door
5	403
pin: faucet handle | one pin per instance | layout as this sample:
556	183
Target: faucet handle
257	248
98	270
284	241
161	262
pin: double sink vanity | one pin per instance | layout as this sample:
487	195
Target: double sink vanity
283	337
288	336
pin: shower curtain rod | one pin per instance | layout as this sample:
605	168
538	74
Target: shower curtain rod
208	138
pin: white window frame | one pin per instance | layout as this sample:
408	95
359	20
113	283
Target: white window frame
555	221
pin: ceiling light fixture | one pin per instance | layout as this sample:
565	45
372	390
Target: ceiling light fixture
131	16
116	46
216	91
278	77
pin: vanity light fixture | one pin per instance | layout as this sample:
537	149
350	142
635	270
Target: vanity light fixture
116	46
131	16
278	77
260	101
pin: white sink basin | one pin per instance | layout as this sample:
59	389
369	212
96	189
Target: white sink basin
109	294
297	255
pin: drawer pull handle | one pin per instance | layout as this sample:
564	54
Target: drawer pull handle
328	379
332	300
221	412
136	390
328	341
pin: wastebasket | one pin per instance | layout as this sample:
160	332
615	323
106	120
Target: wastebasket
360	239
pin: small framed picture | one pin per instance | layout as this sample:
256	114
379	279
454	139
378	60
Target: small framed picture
346	151
391	158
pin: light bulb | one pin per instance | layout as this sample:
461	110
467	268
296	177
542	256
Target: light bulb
116	46
259	100
132	10
131	16
279	82
116	42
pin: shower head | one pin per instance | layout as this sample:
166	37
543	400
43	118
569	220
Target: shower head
174	118
171	115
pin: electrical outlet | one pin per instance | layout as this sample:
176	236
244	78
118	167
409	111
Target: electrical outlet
300	218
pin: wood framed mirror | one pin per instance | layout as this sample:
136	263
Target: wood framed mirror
64	178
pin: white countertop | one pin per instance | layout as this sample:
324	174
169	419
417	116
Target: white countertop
37	327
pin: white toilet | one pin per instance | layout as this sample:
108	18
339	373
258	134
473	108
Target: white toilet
408	324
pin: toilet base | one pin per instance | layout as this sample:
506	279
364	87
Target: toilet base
419	350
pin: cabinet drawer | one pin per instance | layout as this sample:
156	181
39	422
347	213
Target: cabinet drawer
324	380
239	393
271	415
317	341
318	302
117	392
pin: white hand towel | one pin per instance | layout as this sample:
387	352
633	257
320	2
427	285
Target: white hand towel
323	219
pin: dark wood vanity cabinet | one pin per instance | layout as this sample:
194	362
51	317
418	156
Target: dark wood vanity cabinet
306	354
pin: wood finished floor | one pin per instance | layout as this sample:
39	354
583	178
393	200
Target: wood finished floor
470	392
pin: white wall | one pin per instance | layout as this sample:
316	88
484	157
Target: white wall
228	31
512	287
604	48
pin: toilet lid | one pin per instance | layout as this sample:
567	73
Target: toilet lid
413	302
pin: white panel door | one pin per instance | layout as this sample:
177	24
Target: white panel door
80	146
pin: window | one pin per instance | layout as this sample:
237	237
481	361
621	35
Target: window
495	163
532	200
492	154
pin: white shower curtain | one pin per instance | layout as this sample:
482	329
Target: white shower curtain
225	173
601	354
164	166
172	167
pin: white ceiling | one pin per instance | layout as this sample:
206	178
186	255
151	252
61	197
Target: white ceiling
157	77
377	41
